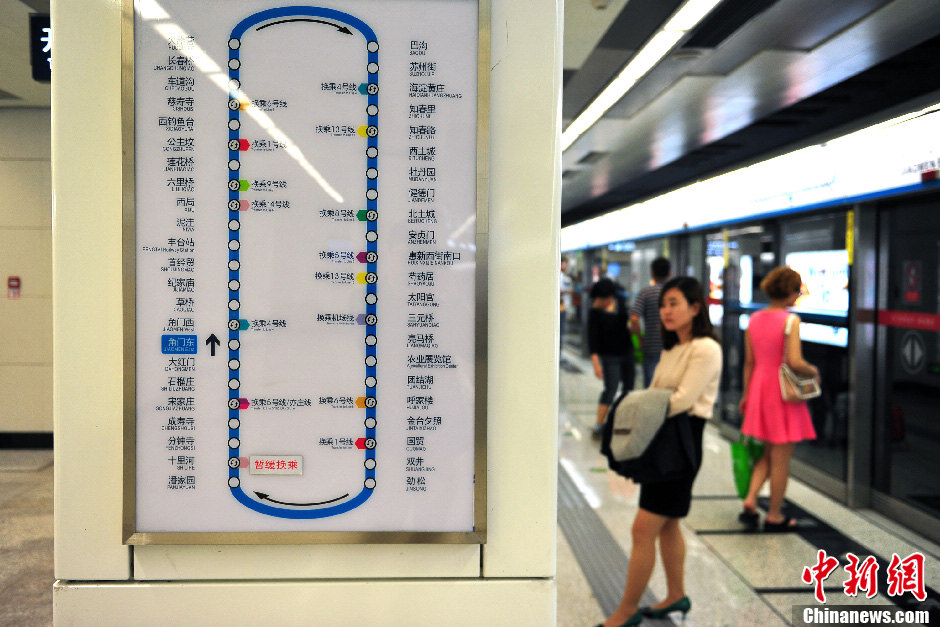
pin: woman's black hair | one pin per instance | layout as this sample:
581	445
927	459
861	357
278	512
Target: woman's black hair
701	324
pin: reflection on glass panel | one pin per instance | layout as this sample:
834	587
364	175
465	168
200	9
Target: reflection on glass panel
825	275
815	247
749	254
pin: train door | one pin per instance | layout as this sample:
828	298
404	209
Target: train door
737	260
816	248
906	432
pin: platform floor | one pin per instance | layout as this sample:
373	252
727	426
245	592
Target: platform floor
734	576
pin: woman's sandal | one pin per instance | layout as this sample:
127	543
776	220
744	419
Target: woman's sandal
749	517
787	524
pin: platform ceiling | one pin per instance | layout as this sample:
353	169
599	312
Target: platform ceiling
754	77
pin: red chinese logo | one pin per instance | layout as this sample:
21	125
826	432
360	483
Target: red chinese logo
904	575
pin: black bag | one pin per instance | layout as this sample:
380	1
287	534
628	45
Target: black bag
670	455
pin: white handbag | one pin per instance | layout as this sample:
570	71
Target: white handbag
794	387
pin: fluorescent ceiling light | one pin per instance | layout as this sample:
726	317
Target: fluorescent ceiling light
652	52
691	13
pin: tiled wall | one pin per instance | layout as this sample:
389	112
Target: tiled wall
26	252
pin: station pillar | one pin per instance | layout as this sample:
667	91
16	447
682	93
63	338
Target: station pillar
507	579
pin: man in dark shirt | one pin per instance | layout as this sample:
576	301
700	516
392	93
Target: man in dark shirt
646	307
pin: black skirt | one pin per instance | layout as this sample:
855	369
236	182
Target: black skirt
672	498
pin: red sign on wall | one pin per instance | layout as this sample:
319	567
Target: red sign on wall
912	274
13	287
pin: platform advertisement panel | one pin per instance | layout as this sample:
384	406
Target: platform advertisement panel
306	284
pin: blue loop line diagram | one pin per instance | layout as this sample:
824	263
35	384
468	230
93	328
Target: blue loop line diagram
259	501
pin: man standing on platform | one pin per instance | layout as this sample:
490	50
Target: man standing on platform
646	307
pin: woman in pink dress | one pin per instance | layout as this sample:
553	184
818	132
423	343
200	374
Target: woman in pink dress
771	340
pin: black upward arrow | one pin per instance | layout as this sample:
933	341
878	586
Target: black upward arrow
339	28
265	497
212	342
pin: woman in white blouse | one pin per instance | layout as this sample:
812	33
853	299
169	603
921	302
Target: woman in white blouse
691	366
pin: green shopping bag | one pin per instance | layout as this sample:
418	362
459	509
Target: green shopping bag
637	349
744	454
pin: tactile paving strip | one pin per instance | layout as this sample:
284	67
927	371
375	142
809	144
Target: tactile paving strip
600	557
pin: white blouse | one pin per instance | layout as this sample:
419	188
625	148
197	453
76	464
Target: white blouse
693	370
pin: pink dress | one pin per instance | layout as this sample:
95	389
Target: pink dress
767	416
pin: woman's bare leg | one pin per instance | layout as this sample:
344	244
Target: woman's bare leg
780	455
646	528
